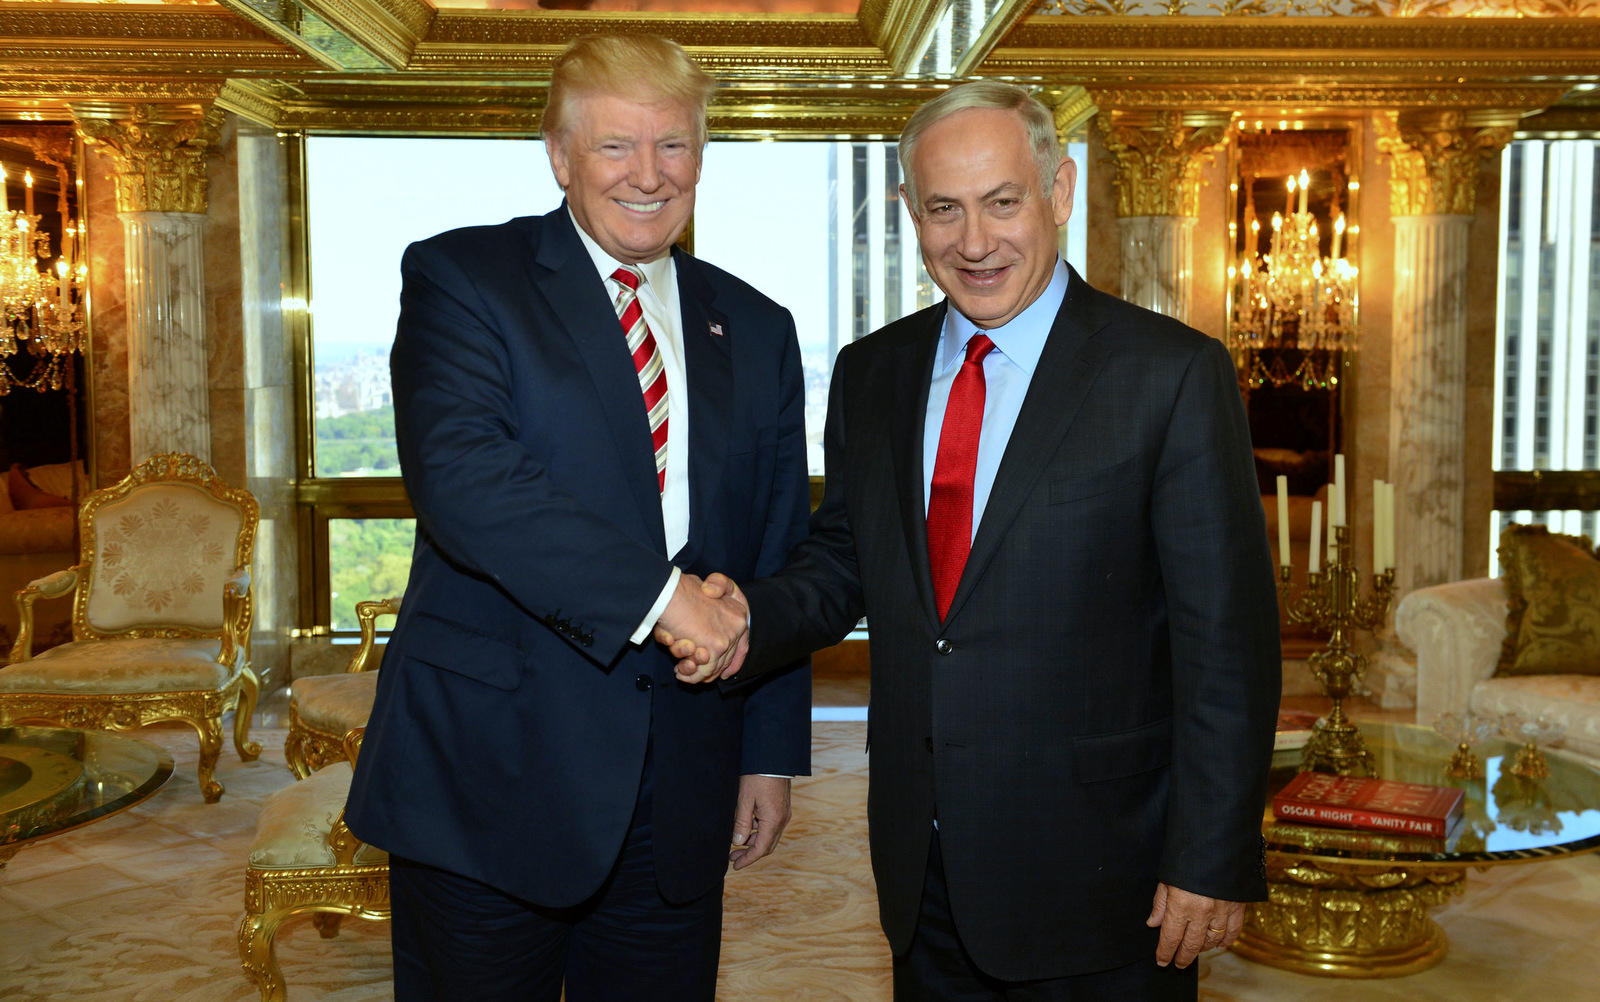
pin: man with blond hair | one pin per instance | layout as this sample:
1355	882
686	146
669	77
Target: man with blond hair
588	418
1043	500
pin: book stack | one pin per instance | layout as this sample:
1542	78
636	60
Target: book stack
1370	804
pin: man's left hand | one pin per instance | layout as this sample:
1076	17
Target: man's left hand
759	820
1191	923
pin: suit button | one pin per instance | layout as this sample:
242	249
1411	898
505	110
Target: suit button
642	683
944	647
929	743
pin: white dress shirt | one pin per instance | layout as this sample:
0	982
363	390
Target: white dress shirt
658	297
1007	371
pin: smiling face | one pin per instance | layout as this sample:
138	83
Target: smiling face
988	234
629	169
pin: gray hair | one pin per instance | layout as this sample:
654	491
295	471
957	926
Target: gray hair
1036	119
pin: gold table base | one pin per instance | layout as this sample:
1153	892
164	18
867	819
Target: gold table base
1349	921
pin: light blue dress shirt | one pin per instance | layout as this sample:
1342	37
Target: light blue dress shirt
1007	370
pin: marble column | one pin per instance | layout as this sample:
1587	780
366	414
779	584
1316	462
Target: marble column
1159	155
1433	158
168	391
159	167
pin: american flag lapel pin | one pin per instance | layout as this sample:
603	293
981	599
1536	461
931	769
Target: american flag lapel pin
716	329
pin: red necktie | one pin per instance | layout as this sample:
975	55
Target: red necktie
647	360
950	496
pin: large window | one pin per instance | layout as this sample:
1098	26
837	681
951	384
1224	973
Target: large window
1548	357
818	226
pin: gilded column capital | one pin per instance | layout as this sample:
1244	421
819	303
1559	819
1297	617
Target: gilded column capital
160	165
1159	154
1434	156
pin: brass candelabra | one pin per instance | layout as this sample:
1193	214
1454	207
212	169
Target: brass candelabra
1331	600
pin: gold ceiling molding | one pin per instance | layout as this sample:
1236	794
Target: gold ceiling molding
52	93
78	39
158	166
1431	9
1434	156
902	28
1168	49
1072	108
1005	17
1270	100
254	100
480	41
1159	155
344	34
1561	119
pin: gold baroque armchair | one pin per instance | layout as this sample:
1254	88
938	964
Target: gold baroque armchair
305	860
324	708
161	614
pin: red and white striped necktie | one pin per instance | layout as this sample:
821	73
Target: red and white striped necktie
647	360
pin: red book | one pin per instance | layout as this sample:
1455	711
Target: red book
1373	804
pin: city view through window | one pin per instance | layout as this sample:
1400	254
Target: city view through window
1547	365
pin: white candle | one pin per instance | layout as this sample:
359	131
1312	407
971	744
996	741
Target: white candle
1388	527
1378	527
5	197
1336	516
1338	236
27	187
1283	520
1316	536
1305	184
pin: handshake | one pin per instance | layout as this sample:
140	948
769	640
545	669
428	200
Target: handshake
706	627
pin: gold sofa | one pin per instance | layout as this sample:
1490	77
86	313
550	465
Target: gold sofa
324	708
305	860
160	618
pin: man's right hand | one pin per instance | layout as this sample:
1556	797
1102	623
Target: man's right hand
704	627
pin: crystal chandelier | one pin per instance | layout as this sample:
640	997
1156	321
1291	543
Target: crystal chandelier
42	306
1294	298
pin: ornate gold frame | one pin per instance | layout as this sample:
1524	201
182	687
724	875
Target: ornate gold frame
202	710
308	749
327	893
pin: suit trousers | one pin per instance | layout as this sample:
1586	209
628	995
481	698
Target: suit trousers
937	968
459	939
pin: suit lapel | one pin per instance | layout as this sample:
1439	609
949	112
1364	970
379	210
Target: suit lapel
708	362
567	279
912	366
1067	369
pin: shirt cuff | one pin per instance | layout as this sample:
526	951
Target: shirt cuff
648	627
773	775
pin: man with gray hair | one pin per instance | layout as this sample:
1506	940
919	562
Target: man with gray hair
1043	500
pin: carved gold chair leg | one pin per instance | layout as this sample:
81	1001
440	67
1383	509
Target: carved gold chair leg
210	731
257	956
244	710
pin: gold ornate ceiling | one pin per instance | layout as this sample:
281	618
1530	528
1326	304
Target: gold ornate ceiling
408	66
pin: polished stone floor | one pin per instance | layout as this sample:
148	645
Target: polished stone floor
145	906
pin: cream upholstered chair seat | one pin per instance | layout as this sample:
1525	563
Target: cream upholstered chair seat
324	708
293	829
304	860
326	702
161	665
161	614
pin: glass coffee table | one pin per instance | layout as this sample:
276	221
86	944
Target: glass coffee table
55	779
1355	904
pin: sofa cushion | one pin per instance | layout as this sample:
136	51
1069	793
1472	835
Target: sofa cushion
1572	700
24	495
121	666
293	828
1553	603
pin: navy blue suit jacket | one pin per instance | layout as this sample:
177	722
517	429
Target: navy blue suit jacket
509	732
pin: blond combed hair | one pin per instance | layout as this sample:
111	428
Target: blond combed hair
647	67
995	95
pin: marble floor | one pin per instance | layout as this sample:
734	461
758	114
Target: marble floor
144	907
